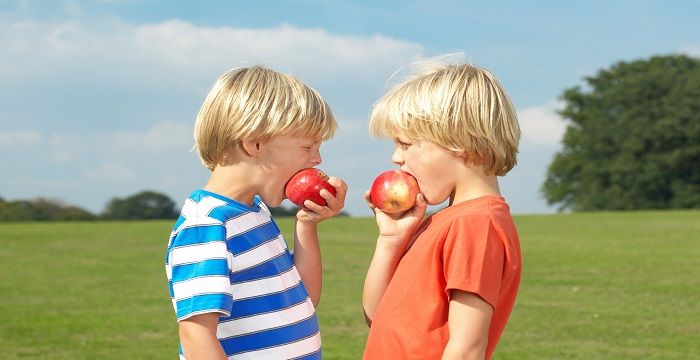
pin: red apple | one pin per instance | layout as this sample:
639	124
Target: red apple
307	185
394	191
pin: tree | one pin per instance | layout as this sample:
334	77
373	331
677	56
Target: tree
20	210
633	139
41	209
144	205
52	209
284	211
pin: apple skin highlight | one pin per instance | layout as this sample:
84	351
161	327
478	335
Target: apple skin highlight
394	191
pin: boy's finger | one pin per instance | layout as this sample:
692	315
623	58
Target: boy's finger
331	201
368	199
340	186
420	200
420	206
327	195
313	206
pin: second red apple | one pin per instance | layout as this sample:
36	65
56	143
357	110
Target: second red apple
394	191
307	185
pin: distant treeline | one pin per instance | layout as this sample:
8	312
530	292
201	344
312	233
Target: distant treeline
141	206
41	210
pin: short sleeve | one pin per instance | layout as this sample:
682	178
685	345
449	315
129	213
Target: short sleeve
199	272
473	258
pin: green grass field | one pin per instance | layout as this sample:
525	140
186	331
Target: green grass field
595	286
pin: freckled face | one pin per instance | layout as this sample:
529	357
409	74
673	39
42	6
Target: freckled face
283	157
432	165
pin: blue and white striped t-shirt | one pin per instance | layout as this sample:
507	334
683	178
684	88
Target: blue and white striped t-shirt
231	258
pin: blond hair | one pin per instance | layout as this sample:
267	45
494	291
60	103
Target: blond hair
460	107
257	104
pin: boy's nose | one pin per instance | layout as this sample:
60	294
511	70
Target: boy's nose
316	160
397	157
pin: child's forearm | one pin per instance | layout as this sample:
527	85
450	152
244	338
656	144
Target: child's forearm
307	259
384	262
198	337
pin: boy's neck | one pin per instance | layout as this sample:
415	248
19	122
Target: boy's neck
234	182
474	184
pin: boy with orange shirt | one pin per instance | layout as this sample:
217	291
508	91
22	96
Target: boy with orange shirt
444	286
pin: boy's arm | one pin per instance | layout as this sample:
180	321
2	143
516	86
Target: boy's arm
307	251
469	320
198	337
387	255
307	259
395	231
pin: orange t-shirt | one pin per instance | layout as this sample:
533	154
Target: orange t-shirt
471	246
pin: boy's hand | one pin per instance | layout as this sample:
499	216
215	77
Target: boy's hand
397	227
317	213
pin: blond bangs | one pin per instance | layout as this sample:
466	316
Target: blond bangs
398	114
411	109
314	118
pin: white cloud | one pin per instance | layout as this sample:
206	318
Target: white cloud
109	172
125	52
692	50
60	148
162	136
19	138
184	45
541	125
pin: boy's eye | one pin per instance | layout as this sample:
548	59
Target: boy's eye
310	146
403	145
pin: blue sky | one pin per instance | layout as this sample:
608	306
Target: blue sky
98	98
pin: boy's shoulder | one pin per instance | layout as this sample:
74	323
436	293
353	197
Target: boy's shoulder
205	208
481	212
203	203
488	205
472	221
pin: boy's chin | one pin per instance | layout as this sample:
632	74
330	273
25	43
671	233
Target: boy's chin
272	200
275	202
432	201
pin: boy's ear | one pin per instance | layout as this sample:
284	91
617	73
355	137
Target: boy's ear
252	148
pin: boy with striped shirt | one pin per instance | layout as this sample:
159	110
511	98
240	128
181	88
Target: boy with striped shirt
237	291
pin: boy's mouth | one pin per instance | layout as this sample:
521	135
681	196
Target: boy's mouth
409	172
